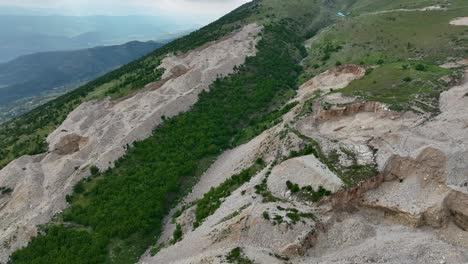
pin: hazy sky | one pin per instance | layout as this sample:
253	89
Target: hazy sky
202	10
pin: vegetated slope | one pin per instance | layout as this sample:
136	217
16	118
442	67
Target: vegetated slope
33	77
125	206
406	52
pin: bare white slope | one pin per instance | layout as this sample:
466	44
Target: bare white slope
304	171
461	21
97	133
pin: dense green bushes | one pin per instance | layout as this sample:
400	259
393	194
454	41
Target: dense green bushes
307	192
123	208
237	256
177	235
83	247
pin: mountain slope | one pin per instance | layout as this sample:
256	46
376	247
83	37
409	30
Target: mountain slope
43	74
255	139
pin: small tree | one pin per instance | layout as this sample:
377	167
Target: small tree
94	170
420	67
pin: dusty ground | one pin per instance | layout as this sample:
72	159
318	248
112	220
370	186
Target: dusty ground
461	21
98	132
455	64
335	78
370	238
304	171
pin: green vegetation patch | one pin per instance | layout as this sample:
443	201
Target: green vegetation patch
368	6
262	189
5	190
212	200
177	235
401	85
307	192
383	38
293	215
237	256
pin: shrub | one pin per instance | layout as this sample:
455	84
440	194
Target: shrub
79	188
325	57
262	189
293	216
420	67
266	216
293	187
237	256
407	79
177	235
5	190
94	170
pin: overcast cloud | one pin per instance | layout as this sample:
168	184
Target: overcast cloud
200	10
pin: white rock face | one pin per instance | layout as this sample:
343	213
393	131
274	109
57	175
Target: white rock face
304	171
461	21
97	133
335	78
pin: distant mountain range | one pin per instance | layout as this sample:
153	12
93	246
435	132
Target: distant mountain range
27	34
32	79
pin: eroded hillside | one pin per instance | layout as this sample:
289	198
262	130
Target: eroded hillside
251	142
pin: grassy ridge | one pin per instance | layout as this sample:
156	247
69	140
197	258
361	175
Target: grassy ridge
390	37
398	43
401	86
123	208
